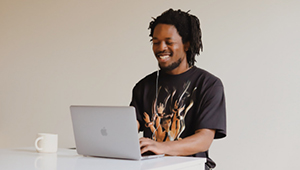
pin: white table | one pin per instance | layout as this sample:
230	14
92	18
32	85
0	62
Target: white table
65	159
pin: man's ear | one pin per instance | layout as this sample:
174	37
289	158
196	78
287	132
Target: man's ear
186	46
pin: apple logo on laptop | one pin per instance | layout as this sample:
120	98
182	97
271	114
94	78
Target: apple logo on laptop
103	131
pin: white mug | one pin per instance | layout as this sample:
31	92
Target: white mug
46	143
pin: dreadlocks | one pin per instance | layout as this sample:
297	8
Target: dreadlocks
188	27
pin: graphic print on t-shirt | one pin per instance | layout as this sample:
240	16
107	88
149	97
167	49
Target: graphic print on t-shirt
168	112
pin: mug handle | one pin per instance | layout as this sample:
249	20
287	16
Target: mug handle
36	143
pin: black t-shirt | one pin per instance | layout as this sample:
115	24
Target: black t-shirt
173	107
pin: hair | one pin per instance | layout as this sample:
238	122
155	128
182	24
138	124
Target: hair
188	27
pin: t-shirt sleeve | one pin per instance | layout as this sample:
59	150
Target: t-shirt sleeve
212	111
136	102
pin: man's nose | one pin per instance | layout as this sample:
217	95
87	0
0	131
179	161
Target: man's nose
162	46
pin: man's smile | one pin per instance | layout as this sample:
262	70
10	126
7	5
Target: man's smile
163	57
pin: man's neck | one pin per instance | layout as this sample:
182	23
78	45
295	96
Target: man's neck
179	70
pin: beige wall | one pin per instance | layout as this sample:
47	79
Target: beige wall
57	53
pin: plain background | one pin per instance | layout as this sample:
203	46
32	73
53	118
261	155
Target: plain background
54	53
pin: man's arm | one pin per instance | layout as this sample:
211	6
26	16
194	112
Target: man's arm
199	142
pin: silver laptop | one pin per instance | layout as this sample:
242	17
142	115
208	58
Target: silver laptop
106	131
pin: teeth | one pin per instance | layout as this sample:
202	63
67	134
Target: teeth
164	56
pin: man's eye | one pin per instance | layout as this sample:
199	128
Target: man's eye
155	43
169	43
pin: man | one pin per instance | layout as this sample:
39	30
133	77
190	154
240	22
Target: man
180	108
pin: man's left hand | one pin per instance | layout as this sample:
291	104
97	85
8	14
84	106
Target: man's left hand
147	144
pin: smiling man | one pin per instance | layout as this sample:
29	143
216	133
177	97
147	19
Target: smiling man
169	49
180	108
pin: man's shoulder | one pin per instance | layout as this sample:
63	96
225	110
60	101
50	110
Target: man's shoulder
148	78
203	73
206	76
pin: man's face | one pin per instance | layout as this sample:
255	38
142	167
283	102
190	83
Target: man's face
169	50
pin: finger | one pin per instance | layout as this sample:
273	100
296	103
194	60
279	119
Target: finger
145	141
146	149
150	148
148	145
144	145
142	139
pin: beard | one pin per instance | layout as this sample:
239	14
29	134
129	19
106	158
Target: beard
171	66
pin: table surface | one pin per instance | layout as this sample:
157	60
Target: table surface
65	159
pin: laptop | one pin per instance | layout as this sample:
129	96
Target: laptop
107	131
